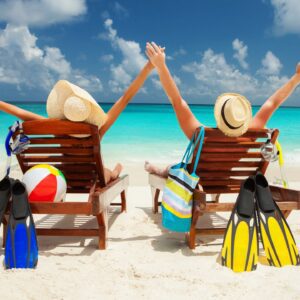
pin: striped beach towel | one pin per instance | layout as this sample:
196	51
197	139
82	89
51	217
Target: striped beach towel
178	192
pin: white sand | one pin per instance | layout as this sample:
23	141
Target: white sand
143	261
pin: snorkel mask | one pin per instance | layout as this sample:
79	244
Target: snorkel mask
20	143
269	150
273	152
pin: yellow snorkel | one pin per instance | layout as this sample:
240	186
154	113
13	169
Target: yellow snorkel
281	163
272	152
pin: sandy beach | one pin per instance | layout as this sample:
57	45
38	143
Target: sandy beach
144	261
151	77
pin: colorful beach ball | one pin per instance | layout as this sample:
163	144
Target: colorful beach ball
45	183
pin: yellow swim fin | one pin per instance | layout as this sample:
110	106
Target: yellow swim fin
240	245
278	241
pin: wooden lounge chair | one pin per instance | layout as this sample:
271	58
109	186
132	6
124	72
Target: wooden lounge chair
53	142
225	162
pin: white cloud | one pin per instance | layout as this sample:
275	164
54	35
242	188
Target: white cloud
40	12
120	78
156	82
270	84
23	63
217	76
89	82
177	80
169	57
54	60
214	75
271	64
120	10
107	58
132	59
286	16
241	52
181	51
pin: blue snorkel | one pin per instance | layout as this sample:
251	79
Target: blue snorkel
17	146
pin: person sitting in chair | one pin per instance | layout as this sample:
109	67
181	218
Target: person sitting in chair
68	101
232	111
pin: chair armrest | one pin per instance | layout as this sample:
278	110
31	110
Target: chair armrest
282	194
101	198
157	182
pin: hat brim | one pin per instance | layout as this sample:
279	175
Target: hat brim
219	120
64	89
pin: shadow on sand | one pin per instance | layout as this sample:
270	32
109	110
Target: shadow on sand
164	242
49	243
174	241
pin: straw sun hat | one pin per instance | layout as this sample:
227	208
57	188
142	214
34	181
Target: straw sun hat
69	101
233	114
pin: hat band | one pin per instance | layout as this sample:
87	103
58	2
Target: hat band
224	117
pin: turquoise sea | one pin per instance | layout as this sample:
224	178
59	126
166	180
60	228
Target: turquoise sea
151	132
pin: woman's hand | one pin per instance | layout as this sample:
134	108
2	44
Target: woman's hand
156	55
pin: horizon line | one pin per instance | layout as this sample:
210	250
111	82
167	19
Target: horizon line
148	103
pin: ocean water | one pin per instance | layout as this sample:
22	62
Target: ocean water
151	132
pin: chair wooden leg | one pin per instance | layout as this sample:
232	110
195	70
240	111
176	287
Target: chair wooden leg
199	205
123	201
155	195
192	234
192	237
102	223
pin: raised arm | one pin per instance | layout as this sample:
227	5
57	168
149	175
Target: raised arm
18	112
269	107
186	118
120	105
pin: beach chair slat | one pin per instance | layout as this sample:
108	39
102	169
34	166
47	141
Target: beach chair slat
79	176
251	133
85	169
231	157
227	140
247	145
61	141
224	174
66	169
217	182
78	159
222	189
228	165
59	150
209	149
61	208
221	185
77	190
52	127
80	183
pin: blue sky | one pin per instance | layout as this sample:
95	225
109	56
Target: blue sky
212	46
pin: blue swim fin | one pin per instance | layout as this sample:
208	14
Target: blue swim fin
21	248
